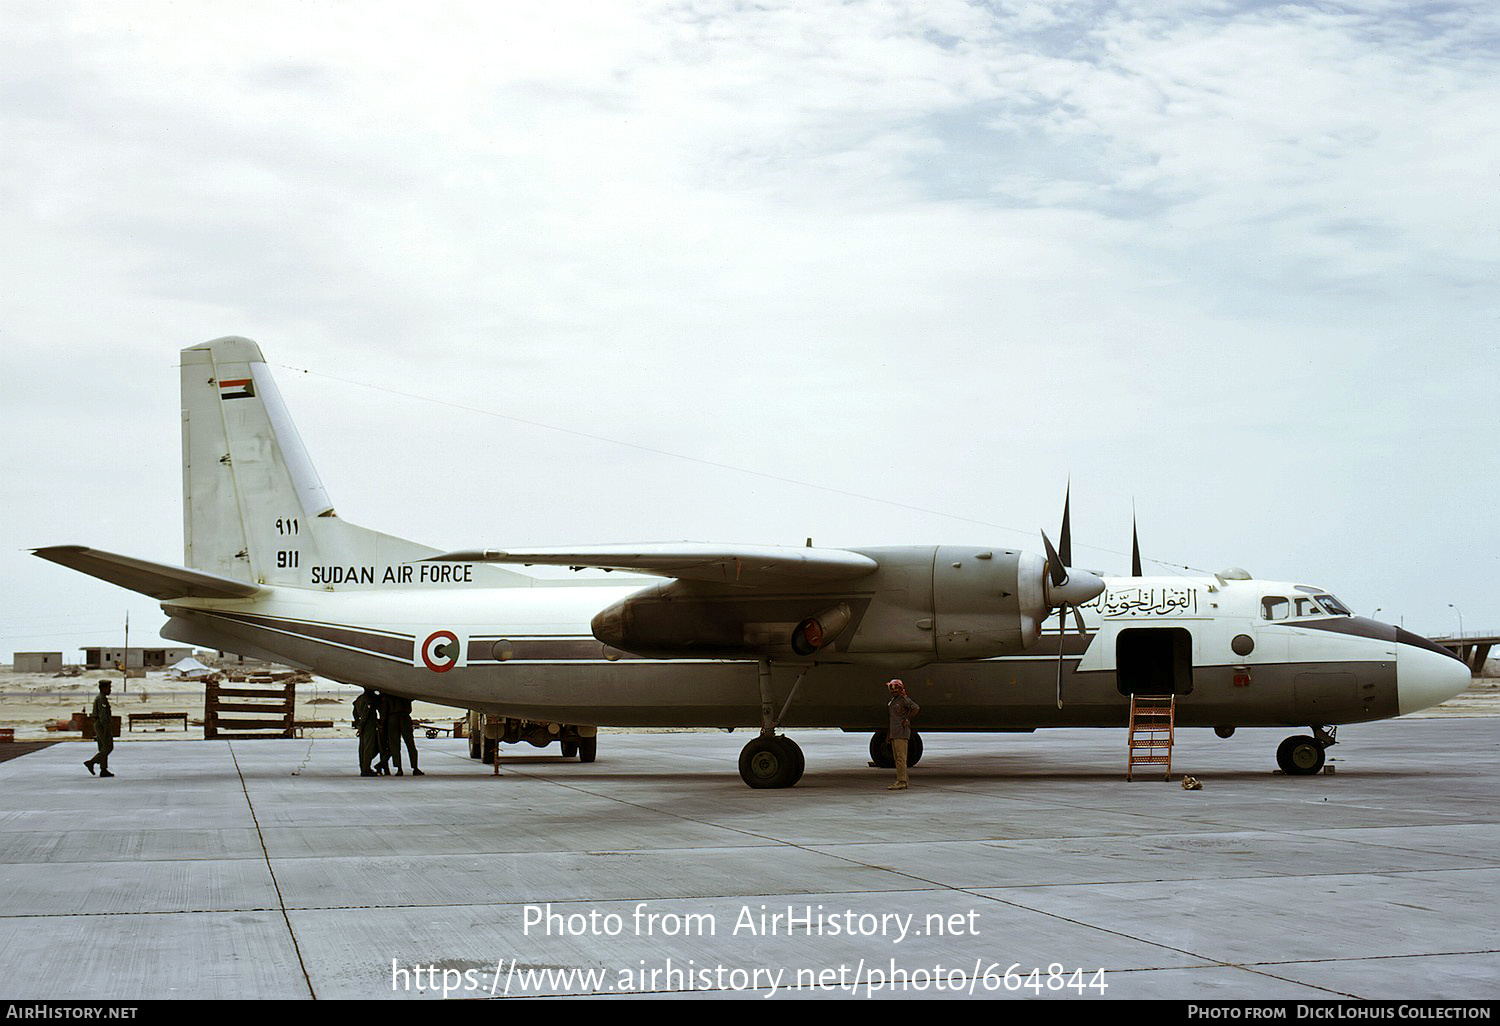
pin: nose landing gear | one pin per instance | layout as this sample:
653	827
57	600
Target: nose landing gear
1302	755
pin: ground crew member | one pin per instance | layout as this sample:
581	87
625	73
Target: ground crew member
390	735
382	735
398	716
367	723
903	710
104	731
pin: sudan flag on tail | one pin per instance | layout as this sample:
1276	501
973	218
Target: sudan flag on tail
240	388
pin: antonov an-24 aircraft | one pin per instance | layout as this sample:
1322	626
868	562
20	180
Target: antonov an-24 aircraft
733	636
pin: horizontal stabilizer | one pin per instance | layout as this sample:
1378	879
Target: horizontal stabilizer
158	580
692	561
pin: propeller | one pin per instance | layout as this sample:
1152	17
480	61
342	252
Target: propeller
1135	547
1066	587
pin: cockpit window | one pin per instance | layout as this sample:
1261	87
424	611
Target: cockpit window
1278	607
1333	607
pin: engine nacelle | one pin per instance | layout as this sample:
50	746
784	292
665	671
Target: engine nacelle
985	602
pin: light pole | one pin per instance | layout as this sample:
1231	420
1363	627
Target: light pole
1460	613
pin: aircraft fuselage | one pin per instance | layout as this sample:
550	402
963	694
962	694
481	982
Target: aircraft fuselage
530	653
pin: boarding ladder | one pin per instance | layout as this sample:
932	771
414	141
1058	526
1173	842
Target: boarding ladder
1151	731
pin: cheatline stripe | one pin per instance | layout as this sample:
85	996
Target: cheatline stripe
383	644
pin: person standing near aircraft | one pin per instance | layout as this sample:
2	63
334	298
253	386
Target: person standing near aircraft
903	710
398	716
383	735
367	723
390	733
104	733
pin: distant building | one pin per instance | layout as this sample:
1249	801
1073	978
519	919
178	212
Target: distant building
230	660
38	662
106	658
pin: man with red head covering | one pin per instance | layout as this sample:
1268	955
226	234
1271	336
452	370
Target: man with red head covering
903	710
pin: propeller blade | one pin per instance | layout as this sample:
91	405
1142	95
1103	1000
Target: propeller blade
1065	539
1062	637
1055	566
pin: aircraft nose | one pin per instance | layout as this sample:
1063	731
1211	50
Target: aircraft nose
1426	674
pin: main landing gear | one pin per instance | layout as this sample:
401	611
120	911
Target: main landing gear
882	756
1302	755
772	759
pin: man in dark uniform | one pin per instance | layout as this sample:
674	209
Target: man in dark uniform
367	722
390	736
104	732
903	710
398	716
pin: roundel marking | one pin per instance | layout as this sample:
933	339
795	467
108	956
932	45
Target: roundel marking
440	651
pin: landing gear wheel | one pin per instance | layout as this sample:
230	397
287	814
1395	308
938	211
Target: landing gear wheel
569	748
476	743
881	755
1300	756
588	747
771	761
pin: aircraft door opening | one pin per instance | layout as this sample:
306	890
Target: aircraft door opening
1154	661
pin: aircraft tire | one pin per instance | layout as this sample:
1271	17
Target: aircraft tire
1300	756
476	745
880	750
771	762
588	747
569	748
801	760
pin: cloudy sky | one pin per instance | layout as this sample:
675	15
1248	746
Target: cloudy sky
868	272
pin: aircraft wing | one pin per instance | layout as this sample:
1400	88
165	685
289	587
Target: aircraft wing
159	580
748	565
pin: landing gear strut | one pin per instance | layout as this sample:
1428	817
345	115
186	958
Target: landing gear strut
772	759
1302	755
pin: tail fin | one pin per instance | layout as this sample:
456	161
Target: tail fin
254	509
